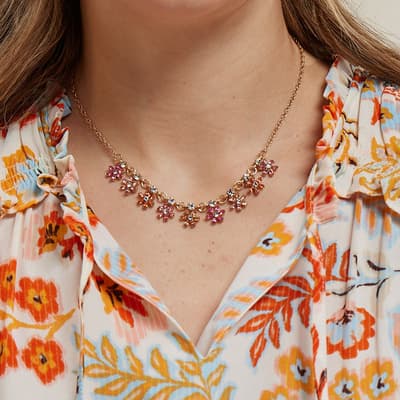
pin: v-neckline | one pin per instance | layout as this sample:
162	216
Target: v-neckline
115	262
250	280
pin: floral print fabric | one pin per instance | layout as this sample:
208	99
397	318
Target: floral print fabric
313	312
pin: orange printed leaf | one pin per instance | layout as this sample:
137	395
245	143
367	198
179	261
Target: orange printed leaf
213	355
196	396
231	313
113	388
215	376
285	291
164	393
344	265
98	371
190	367
256	323
287	313
226	394
274	332
159	363
108	351
266	304
135	364
243	298
88	348
184	344
139	392
300	282
304	312
257	348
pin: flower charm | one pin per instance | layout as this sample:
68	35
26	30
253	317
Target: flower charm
255	185
189	216
236	201
129	185
266	167
214	213
116	171
145	200
166	210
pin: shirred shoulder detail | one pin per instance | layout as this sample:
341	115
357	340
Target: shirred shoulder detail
360	147
28	148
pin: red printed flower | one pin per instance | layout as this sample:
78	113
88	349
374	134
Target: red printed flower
51	233
44	358
8	351
7	282
38	297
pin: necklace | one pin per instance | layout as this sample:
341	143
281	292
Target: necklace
147	194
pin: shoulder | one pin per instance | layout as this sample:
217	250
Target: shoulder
362	127
26	152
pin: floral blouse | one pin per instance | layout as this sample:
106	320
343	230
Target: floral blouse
313	313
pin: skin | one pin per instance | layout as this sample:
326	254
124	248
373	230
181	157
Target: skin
188	91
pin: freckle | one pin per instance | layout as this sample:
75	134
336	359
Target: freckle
209	251
169	250
212	242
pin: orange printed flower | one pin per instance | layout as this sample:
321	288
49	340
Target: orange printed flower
116	298
349	331
280	393
274	239
44	358
80	229
7	282
52	233
68	247
378	380
380	113
12	163
345	386
93	219
8	351
38	297
297	369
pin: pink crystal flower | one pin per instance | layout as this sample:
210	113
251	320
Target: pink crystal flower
214	213
116	171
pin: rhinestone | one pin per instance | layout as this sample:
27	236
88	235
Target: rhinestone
191	206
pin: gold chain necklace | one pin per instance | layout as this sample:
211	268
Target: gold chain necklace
233	199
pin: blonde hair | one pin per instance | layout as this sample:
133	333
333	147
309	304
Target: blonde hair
40	45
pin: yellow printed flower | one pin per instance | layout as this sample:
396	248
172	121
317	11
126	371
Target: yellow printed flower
273	240
298	371
378	382
345	386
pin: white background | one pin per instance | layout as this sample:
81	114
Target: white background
384	14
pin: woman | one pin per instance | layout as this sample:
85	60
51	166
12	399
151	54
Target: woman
287	291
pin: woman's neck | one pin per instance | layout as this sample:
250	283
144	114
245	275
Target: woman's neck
192	89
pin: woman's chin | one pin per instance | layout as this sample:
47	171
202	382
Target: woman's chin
182	10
